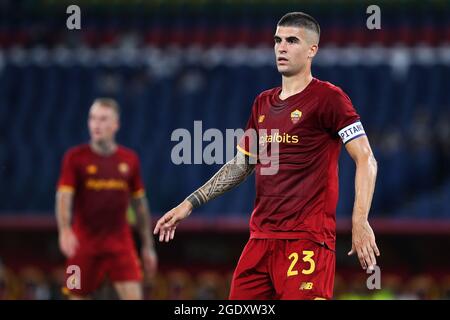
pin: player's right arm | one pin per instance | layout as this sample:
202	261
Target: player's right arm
229	176
68	242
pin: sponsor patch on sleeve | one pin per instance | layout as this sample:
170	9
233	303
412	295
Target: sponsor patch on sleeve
351	132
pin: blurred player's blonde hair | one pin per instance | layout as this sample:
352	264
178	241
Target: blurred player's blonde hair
109	103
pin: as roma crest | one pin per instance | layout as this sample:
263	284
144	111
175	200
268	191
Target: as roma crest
91	169
123	168
295	116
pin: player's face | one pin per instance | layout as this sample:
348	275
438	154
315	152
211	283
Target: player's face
293	49
103	123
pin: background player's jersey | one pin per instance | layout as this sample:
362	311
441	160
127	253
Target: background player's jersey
299	201
102	187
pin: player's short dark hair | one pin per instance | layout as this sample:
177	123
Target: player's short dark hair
300	20
109	103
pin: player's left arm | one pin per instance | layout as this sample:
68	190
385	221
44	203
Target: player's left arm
143	221
363	237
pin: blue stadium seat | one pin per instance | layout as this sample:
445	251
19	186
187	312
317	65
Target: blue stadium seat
43	112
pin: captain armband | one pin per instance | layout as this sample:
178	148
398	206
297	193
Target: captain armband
351	132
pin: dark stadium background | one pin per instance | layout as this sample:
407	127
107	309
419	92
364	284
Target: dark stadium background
170	63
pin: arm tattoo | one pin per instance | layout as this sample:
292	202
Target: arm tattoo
229	176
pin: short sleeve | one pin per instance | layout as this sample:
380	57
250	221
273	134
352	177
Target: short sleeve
136	184
248	144
67	178
340	117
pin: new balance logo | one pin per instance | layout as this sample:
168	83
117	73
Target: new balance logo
306	286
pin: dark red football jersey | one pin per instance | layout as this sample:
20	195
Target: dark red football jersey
297	181
102	187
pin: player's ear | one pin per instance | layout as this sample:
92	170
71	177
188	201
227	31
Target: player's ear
313	50
117	124
117	118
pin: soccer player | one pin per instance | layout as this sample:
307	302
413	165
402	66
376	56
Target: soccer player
291	250
96	183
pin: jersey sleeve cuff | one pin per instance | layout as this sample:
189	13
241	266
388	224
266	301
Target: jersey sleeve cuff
138	194
66	188
245	152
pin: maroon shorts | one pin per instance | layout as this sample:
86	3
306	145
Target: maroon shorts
86	272
271	269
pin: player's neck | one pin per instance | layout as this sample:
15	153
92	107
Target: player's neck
104	148
295	84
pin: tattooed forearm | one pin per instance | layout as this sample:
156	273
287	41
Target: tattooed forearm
229	176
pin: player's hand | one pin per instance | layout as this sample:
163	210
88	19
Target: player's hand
149	260
167	224
363	243
68	242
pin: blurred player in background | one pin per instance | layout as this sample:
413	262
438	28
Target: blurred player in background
290	254
96	183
